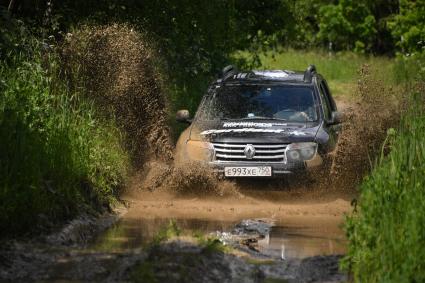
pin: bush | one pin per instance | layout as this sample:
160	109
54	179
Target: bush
386	232
408	25
347	25
56	157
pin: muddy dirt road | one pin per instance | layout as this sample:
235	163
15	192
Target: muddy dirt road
307	225
303	242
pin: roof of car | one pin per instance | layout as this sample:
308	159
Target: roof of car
231	74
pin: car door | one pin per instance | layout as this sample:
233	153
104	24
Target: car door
328	105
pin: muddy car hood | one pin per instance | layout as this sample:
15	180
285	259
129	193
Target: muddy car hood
255	132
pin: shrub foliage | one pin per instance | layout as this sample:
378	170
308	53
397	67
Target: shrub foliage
56	157
386	232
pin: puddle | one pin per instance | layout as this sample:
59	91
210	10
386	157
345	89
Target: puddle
294	238
130	234
303	241
110	257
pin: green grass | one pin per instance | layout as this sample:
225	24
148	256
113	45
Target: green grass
387	232
340	69
211	244
166	233
56	158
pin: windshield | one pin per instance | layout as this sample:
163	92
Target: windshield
287	103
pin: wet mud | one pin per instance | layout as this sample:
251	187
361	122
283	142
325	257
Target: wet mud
259	249
199	265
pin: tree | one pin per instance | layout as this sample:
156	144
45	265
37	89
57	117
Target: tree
347	25
408	27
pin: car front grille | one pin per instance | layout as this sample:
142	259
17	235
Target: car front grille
263	152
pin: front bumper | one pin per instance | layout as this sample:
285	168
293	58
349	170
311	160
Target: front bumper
278	168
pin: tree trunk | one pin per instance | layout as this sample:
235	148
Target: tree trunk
11	5
48	13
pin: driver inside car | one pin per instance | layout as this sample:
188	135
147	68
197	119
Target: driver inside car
296	108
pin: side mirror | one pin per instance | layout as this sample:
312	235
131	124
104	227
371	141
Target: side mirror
183	116
336	118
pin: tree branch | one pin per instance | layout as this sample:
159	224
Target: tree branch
11	5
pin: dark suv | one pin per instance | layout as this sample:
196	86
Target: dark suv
262	123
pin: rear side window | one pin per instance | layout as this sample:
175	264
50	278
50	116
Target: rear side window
329	96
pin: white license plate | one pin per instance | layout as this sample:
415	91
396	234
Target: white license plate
259	171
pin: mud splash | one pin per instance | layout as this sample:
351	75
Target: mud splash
117	66
196	180
183	180
376	107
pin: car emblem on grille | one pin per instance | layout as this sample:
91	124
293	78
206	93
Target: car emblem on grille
249	151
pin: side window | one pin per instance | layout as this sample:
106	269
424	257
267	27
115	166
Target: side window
325	102
329	96
204	109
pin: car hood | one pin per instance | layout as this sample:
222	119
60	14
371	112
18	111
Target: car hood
255	132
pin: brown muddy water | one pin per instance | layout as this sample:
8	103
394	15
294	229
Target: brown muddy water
292	239
303	242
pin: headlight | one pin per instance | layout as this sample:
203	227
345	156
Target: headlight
199	151
293	155
301	151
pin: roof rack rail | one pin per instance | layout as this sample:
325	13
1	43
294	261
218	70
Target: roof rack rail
308	74
228	72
